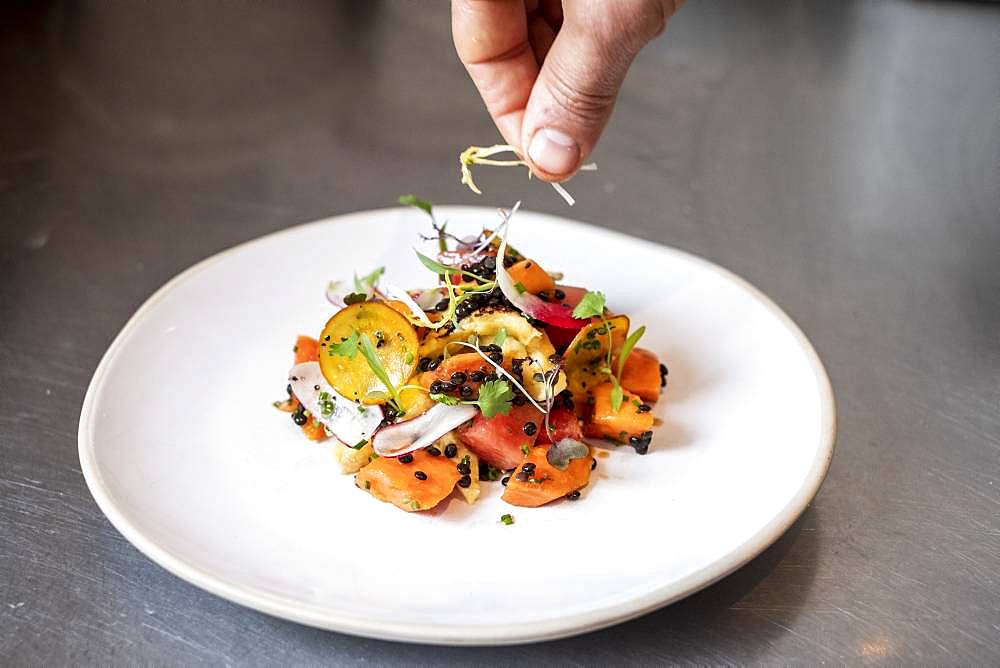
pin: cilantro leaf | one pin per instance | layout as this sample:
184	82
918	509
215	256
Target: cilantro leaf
422	204
375	364
628	346
590	306
495	397
347	348
500	336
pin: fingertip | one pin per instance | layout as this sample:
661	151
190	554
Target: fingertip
553	154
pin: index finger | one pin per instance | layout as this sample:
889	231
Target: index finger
491	38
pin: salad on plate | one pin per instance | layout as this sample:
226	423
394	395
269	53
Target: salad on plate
495	370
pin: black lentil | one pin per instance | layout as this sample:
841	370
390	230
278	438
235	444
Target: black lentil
465	481
505	480
289	389
644	408
458	378
432	451
441	305
450	450
299	418
464	468
465	391
593	464
544	295
559	294
530	428
434	363
497	358
574	495
424	363
528	467
522	476
420	475
406	459
437	387
477	376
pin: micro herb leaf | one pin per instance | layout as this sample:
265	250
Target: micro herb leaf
422	204
409	358
347	348
434	265
590	306
360	444
507	519
520	288
446	399
617	395
368	282
375	364
500	336
495	397
627	348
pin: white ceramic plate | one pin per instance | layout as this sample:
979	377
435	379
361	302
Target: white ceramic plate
185	455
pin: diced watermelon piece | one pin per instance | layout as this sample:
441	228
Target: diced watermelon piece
498	440
563	423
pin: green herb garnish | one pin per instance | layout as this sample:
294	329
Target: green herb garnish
507	519
422	204
627	348
525	449
325	404
360	444
347	348
375	364
617	395
495	396
500	336
592	305
367	283
355	298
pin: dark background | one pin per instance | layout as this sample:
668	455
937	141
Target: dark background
842	156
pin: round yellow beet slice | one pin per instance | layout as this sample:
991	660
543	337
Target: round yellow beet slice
342	360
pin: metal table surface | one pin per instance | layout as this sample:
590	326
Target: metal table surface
844	157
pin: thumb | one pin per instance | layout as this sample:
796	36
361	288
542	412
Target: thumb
574	95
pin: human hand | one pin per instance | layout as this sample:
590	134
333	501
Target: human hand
549	71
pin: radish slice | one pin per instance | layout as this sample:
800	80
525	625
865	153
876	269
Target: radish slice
345	421
402	437
336	291
399	294
559	315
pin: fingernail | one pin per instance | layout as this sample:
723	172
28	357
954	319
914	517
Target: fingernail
555	152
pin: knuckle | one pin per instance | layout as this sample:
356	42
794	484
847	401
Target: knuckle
587	104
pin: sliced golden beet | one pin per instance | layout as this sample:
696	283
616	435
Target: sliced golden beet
586	358
392	337
388	479
530	276
546	482
641	374
605	422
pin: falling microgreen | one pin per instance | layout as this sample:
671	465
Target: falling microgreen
592	305
482	155
414	201
347	348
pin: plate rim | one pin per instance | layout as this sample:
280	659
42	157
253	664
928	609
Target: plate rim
495	634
